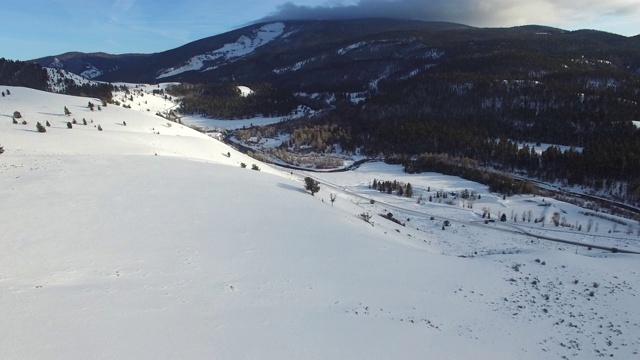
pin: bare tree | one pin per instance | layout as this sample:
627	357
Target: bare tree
333	198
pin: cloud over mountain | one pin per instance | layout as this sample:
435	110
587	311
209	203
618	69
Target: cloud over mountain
471	12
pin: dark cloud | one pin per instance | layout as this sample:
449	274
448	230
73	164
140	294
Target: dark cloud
470	12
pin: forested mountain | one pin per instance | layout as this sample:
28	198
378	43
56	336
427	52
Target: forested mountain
18	73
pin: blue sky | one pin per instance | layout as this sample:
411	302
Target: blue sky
37	28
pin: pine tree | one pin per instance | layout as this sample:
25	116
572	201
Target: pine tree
311	185
66	111
40	128
409	190
47	123
69	125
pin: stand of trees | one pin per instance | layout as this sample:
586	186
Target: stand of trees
224	101
19	73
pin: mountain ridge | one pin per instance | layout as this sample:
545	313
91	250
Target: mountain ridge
304	55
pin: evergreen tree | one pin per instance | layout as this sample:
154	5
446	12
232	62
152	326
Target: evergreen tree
40	128
66	111
311	185
409	190
69	125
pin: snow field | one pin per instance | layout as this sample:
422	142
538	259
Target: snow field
109	251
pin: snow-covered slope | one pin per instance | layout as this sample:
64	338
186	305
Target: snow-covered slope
230	52
59	77
109	251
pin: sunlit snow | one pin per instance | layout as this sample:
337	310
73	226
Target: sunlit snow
149	240
230	52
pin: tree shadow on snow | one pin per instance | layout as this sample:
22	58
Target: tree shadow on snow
290	187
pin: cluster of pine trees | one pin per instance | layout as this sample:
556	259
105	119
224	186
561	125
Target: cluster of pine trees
224	101
19	73
393	187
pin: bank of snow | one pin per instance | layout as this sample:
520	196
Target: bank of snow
111	251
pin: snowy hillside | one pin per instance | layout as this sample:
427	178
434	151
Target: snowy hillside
150	241
230	52
58	77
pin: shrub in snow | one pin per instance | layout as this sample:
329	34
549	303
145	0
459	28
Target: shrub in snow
99	128
66	111
84	121
74	121
40	128
243	165
365	216
255	167
69	125
3	94
47	123
90	106
17	115
15	121
8	92
24	122
1	147
124	123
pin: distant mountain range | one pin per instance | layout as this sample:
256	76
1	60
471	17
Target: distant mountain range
349	55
